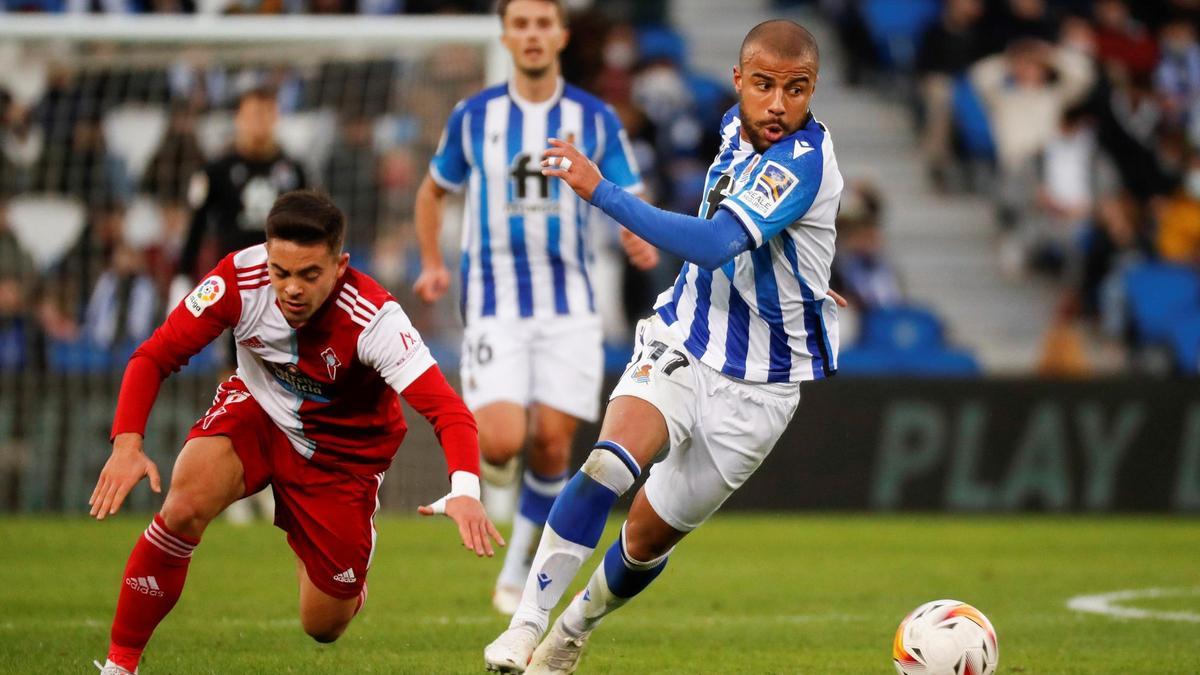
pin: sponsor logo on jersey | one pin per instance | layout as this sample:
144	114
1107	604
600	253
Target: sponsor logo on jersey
252	342
289	376
641	374
331	362
346	576
206	294
770	188
145	586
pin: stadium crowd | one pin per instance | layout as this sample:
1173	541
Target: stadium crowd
1080	120
112	152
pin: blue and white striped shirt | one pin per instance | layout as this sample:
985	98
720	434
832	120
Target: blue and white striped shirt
764	316
525	249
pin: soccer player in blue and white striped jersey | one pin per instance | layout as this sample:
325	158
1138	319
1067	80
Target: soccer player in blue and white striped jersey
716	370
532	357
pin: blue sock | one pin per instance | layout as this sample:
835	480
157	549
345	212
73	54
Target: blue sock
615	582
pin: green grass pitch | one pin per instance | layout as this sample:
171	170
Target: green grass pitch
744	594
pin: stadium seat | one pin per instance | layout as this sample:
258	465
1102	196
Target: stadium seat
971	121
1158	295
896	27
876	361
1185	343
143	222
46	225
901	328
214	133
133	132
307	137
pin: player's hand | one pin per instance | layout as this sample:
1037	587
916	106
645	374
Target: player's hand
841	302
641	253
433	283
124	468
566	162
476	530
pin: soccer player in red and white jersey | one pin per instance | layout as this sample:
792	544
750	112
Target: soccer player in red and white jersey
313	412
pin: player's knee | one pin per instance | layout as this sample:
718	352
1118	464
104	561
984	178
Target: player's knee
612	466
184	514
551	445
499	445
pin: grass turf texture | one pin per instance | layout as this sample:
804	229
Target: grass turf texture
744	594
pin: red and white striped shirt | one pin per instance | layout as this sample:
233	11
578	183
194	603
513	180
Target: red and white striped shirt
331	386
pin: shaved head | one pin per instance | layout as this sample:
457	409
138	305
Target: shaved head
780	37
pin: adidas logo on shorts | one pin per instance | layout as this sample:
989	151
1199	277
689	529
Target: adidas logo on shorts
346	577
145	586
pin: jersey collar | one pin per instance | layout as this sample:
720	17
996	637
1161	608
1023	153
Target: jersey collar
530	106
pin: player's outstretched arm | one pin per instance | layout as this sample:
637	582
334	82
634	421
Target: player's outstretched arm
704	242
434	280
124	468
432	396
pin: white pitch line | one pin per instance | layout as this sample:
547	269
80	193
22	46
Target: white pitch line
1106	603
464	620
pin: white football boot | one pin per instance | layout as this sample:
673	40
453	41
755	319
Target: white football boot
558	654
110	668
509	653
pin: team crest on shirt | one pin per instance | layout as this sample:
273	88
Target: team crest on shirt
331	362
206	294
770	188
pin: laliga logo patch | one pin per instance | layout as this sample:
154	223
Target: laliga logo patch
206	294
331	362
770	188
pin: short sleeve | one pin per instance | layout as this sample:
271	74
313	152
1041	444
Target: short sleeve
617	163
780	189
391	345
449	166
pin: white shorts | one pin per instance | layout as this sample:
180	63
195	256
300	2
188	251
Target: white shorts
721	429
558	361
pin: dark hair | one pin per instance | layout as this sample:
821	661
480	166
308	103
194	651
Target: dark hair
307	217
502	8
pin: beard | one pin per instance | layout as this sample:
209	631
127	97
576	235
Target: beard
536	73
754	130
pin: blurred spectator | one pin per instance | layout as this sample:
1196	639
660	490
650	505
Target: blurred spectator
233	195
1025	91
1178	238
16	276
352	178
1177	77
1015	20
1125	46
946	50
68	284
123	306
861	270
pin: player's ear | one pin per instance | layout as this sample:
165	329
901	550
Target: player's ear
343	261
737	78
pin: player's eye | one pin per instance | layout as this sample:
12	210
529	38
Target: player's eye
312	276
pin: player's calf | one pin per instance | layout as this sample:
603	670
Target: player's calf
573	529
323	617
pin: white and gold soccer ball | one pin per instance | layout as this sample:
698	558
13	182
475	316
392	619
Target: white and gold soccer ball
945	637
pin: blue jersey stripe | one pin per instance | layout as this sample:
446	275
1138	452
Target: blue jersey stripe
767	295
518	161
485	239
464	282
697	341
554	225
668	311
737	330
814	323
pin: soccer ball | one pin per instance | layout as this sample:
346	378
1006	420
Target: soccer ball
945	637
